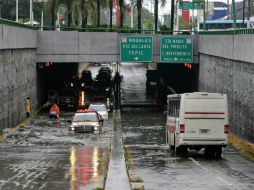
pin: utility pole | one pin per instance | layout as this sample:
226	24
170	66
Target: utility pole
243	11
234	15
248	13
42	20
17	10
132	11
228	8
204	16
172	16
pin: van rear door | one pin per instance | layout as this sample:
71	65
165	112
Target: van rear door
205	118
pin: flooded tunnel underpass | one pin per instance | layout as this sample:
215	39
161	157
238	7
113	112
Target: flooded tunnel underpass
42	154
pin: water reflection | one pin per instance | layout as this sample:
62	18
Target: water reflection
84	163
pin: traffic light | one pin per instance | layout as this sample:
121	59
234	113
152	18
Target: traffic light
188	65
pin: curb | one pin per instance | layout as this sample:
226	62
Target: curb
241	144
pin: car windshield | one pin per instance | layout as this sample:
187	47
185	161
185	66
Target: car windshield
84	117
97	107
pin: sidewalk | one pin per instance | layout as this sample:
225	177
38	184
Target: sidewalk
117	177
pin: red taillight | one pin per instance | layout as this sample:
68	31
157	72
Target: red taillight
226	129
182	128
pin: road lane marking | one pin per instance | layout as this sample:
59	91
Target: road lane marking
208	171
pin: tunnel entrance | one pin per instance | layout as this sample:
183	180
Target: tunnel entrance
53	77
181	77
177	78
166	79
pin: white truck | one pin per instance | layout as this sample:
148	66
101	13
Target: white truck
197	120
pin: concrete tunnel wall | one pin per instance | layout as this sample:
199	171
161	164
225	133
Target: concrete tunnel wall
18	78
227	66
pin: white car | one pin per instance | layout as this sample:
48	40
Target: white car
86	121
101	109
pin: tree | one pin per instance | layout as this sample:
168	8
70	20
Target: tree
87	8
69	6
98	6
146	15
156	7
51	7
7	9
139	7
121	5
110	12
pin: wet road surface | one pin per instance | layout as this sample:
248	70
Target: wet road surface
44	155
159	167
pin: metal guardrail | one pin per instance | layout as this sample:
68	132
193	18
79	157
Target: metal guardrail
16	24
228	32
124	30
118	30
89	29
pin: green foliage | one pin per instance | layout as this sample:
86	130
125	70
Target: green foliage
182	24
148	24
98	188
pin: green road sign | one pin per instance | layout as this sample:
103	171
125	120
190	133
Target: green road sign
186	5
136	48
175	49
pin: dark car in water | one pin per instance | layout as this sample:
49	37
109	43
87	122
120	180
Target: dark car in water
67	98
86	80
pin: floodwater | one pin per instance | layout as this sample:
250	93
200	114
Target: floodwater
44	155
157	165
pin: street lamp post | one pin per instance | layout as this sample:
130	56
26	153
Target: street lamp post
17	10
234	14
31	12
172	16
132	11
42	15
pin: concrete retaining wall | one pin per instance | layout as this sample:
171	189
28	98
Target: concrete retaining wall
18	81
17	38
235	47
17	73
221	72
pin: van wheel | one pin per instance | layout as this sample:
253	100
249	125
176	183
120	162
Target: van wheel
217	152
182	150
208	152
172	147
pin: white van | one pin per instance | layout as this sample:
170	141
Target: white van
197	120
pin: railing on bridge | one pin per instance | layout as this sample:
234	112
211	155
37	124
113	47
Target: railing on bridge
92	29
229	32
126	30
16	24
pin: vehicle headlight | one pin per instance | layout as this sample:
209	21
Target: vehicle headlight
95	128
72	128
